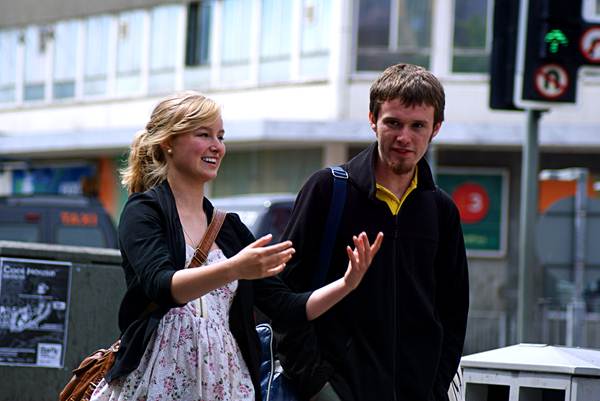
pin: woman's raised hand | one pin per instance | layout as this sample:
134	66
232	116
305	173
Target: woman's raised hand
360	258
258	260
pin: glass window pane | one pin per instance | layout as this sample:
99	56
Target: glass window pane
409	42
414	24
236	31
19	232
275	41
374	23
36	39
80	236
96	44
96	54
198	33
470	23
65	49
276	29
130	35
163	36
470	52
129	52
163	54
316	24
8	69
263	171
473	63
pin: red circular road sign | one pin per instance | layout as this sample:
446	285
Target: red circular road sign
589	44
472	201
551	81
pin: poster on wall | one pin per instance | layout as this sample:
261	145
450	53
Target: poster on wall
34	301
66	180
481	195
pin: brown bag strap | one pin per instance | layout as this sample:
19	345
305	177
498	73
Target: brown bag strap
209	237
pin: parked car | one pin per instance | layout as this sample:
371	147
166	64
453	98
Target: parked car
262	213
56	219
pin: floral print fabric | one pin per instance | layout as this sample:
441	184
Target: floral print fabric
193	356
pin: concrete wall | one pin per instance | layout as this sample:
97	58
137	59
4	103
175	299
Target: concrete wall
97	285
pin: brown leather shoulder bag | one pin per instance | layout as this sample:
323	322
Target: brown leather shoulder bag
94	367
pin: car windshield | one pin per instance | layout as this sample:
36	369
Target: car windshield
20	232
80	236
262	214
248	217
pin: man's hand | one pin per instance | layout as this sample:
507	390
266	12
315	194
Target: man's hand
360	258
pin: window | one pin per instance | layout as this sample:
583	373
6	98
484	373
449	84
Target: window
80	236
198	33
65	50
236	31
236	34
393	31
96	55
8	68
471	39
130	39
316	24
36	42
163	51
259	171
275	40
23	232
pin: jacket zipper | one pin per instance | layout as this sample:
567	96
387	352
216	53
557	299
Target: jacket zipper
395	306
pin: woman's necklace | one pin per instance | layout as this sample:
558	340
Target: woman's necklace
192	242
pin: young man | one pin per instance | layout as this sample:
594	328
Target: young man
399	335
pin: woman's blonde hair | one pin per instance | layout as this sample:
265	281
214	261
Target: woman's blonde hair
176	114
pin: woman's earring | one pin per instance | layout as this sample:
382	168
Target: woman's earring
170	151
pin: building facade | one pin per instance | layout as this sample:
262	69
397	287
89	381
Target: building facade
78	79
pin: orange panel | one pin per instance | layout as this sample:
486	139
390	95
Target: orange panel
551	191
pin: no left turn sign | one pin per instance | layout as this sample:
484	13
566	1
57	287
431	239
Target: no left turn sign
590	44
551	81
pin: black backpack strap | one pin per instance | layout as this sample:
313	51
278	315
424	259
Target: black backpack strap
338	200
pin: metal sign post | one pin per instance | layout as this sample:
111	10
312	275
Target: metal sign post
529	198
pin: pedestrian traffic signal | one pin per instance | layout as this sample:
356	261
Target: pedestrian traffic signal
503	56
554	41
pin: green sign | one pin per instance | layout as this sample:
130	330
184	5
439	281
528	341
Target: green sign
481	196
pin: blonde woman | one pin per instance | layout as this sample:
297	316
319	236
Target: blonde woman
187	350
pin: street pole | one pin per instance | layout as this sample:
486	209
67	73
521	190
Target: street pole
529	198
576	308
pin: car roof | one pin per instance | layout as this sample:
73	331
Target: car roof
49	200
254	200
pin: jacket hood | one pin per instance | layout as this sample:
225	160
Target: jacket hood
364	178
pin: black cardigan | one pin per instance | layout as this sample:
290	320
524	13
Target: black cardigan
153	249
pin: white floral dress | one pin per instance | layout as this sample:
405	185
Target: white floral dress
193	355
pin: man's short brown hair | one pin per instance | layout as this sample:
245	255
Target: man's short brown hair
412	85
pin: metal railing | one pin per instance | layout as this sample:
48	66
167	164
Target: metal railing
554	328
486	330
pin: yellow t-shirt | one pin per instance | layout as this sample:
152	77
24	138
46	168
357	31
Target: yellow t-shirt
385	195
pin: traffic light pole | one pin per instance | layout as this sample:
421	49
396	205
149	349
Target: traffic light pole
529	196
